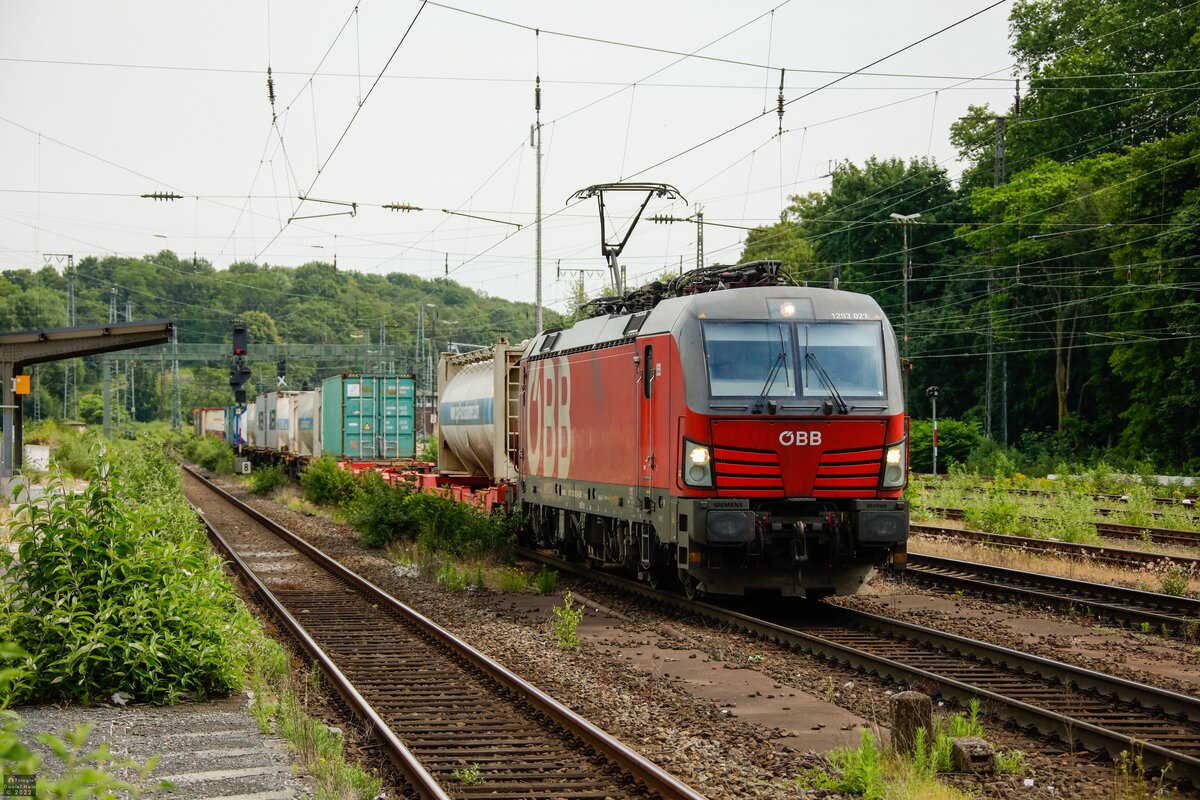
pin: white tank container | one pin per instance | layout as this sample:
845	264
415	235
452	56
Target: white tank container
477	412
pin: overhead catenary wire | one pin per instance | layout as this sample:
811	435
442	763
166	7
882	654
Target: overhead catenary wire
349	123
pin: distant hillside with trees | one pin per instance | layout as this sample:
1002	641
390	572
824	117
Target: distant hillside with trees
312	304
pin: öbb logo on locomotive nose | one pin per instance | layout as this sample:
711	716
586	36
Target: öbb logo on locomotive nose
800	438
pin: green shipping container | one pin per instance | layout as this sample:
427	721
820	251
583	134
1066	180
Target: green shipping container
368	417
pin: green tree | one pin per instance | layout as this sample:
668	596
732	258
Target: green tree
260	327
1048	236
1108	75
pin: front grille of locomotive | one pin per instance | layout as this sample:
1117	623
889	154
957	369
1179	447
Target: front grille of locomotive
848	473
747	473
741	472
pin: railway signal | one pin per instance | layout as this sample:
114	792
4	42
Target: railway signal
239	370
932	393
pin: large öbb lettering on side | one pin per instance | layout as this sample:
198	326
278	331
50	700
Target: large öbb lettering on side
549	422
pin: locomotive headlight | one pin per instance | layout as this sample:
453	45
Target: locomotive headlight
697	464
788	309
894	466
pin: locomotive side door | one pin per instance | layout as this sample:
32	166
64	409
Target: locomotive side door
653	459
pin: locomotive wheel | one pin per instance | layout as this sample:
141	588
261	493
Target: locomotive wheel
657	577
691	586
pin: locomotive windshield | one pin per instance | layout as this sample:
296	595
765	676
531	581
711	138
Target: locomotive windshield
783	360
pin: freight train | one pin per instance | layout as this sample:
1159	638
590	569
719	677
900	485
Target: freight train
726	430
355	417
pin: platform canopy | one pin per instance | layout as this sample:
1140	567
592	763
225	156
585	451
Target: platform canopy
25	348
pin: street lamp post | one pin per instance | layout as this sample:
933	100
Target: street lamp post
932	394
905	220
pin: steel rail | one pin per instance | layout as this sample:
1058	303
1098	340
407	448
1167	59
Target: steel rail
1188	503
421	781
1018	666
655	779
1108	555
1179	615
1113	530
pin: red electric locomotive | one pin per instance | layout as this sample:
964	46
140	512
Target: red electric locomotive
743	439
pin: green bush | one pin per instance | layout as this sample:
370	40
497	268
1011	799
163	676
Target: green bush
566	621
449	526
211	453
860	770
380	512
995	511
107	594
951	727
546	580
73	455
327	484
453	578
152	476
429	448
956	441
265	480
1173	580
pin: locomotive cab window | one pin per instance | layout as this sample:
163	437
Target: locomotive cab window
851	354
786	360
748	359
647	370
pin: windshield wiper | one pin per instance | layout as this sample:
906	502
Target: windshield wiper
779	362
757	408
839	401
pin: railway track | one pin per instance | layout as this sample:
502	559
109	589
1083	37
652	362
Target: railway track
1113	530
1100	712
1177	616
454	722
1188	503
1107	555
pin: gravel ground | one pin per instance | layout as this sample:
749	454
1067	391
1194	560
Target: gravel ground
746	731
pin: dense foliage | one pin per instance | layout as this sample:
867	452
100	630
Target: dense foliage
385	512
327	484
115	590
380	511
1073	259
209	452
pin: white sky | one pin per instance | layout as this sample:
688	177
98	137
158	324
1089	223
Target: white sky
102	102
